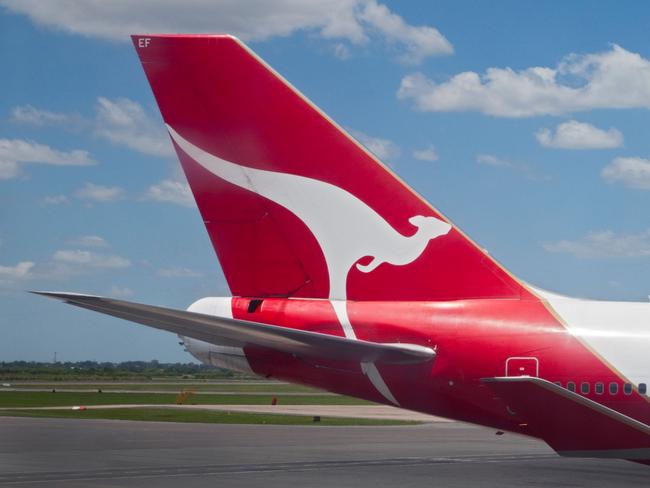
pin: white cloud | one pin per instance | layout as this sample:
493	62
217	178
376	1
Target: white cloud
54	200
87	259
27	114
419	42
120	292
490	160
30	115
171	191
8	169
356	21
22	151
125	123
605	244
579	135
341	51
64	264
99	193
14	152
631	172
120	121
427	154
19	271
614	79
178	273
89	241
526	170
384	149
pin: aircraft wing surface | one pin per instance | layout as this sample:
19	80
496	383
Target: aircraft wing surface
566	420
241	333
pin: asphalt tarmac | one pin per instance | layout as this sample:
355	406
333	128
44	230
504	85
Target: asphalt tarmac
106	453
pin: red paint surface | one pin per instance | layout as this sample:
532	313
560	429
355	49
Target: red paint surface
453	298
221	98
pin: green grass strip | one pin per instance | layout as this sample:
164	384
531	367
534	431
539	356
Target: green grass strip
271	387
198	416
17	399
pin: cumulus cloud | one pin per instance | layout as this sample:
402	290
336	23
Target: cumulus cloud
63	264
120	121
16	152
89	241
125	123
579	135
384	149
418	42
99	193
87	259
35	117
342	51
27	114
491	160
604	244
427	154
19	271
613	79
23	151
631	172
54	200
178	273
171	191
505	164
354	21
8	169
120	291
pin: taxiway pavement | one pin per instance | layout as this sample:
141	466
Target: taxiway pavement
105	453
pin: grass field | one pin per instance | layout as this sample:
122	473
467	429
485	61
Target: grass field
234	386
200	416
17	399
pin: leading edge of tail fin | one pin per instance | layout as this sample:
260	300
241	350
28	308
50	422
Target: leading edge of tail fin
293	205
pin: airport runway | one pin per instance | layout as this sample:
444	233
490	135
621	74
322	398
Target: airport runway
105	453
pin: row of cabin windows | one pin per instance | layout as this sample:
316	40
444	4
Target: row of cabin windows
599	388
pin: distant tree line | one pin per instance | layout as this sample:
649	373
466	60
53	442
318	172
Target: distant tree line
89	370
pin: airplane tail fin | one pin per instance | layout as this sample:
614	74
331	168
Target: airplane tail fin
293	205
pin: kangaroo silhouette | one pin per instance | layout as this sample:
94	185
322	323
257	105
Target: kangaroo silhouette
345	228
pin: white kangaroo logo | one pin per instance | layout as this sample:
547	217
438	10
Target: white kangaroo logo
345	227
404	250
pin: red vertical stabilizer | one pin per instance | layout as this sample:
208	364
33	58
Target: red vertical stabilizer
293	204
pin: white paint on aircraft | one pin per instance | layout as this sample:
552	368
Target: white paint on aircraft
345	228
222	356
371	371
617	331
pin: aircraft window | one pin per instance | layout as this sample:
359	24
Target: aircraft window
571	386
600	388
627	388
558	383
643	388
613	388
584	388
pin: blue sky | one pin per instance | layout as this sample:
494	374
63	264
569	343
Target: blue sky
524	122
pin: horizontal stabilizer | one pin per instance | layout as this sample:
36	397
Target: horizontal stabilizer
241	333
566	420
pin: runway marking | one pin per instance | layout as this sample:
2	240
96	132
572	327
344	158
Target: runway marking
235	469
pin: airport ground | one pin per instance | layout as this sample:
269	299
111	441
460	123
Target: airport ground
252	402
36	452
229	433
